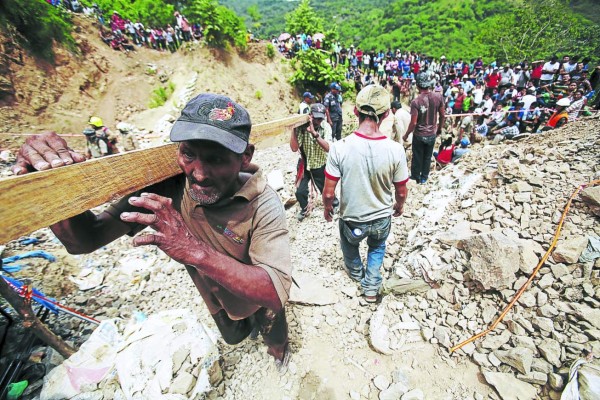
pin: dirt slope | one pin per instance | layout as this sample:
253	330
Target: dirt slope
115	86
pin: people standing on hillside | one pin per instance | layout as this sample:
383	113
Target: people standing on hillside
333	108
372	172
307	99
549	69
312	141
184	26
219	218
427	114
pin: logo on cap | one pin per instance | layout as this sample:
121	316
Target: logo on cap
222	114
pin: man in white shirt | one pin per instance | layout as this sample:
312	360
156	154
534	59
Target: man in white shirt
372	172
549	70
528	98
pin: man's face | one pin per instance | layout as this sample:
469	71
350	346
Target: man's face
566	59
212	170
572	86
578	95
317	122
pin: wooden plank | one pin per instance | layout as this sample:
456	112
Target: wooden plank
39	199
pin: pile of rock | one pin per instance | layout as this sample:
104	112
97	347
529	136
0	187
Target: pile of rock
486	245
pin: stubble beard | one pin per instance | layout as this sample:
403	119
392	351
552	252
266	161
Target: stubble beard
202	198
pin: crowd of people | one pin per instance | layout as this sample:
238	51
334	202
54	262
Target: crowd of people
124	35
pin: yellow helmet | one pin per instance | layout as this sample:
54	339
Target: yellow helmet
95	121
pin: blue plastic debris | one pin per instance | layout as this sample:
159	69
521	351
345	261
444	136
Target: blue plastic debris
29	254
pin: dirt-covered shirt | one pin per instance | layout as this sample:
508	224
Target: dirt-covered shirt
249	226
367	169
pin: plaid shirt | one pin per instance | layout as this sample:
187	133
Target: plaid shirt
316	157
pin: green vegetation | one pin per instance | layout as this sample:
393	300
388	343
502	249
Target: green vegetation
258	94
304	19
149	12
454	28
313	72
270	50
160	95
222	26
37	24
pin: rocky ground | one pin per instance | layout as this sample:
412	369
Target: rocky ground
468	241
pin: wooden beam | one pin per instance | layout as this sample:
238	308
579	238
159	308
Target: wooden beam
39	199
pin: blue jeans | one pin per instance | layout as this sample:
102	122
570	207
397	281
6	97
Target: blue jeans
351	234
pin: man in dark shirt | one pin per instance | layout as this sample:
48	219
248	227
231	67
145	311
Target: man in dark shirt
427	119
333	108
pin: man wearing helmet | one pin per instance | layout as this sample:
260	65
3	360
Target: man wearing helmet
560	116
427	113
104	135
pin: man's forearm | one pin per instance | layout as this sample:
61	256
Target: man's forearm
401	194
87	232
249	282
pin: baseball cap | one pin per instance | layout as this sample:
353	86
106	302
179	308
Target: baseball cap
318	110
335	86
423	80
464	142
373	100
216	118
308	94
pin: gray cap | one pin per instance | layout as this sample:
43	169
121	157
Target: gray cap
317	110
216	118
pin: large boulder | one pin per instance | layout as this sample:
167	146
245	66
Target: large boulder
495	258
509	387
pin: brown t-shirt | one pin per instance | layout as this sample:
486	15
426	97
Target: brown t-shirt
426	107
249	226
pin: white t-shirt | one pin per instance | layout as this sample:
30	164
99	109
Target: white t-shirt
478	96
488	106
367	169
550	67
527	100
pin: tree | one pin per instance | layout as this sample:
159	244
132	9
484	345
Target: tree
304	19
222	26
256	18
38	24
313	72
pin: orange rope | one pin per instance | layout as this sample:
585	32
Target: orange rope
535	271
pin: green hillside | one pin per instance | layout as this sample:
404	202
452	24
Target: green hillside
454	28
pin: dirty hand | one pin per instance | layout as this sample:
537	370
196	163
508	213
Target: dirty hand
45	151
172	235
328	214
398	209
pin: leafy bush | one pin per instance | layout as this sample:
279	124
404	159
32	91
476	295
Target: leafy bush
160	95
222	26
38	23
270	50
313	72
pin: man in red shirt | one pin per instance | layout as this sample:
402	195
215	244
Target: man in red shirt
491	81
536	74
359	57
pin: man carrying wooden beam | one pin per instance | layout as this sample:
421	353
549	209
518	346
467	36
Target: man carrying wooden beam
219	218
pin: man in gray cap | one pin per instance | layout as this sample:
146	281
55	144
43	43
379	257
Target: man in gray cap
312	141
372	172
219	218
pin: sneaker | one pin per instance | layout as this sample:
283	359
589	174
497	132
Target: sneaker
371	299
301	215
423	181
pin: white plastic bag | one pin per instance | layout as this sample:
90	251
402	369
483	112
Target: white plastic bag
584	381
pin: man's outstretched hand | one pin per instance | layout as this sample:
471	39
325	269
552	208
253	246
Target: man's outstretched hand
44	151
172	235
